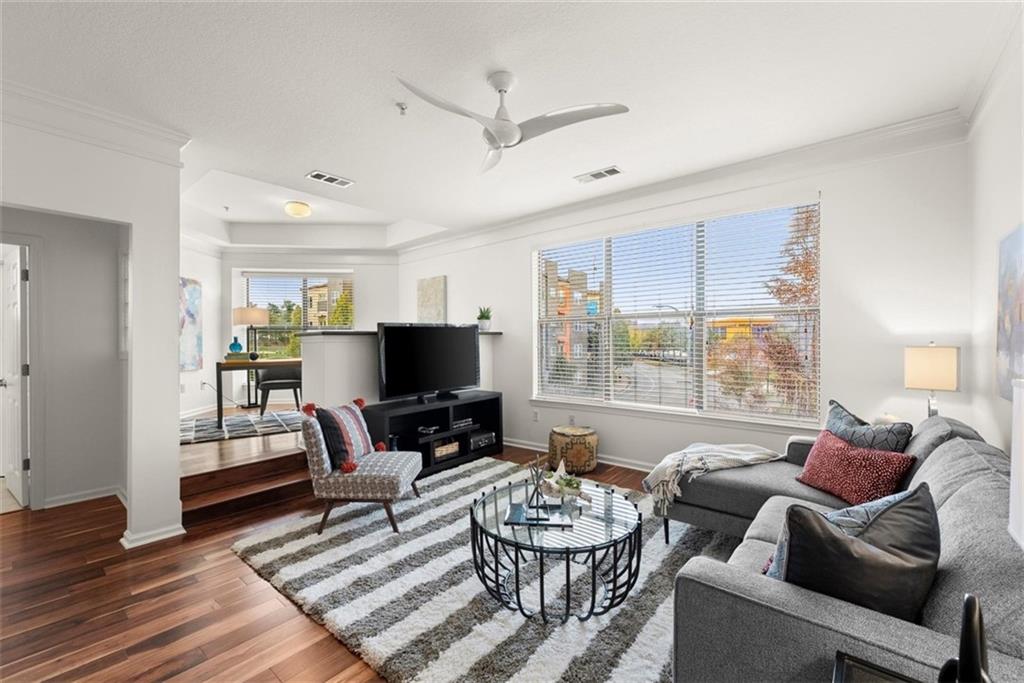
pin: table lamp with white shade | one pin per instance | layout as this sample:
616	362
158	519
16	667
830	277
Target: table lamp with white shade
252	317
933	368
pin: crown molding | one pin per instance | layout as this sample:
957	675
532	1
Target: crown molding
1000	63
29	107
905	137
992	64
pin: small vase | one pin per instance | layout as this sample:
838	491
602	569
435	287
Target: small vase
235	346
485	325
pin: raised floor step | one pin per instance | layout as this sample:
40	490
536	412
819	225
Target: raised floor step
252	494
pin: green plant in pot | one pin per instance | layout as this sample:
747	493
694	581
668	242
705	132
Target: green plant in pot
483	318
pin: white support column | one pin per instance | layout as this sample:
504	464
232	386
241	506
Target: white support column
1017	465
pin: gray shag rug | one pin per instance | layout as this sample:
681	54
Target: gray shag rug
203	429
412	607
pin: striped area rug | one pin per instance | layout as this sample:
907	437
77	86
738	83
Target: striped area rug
412	607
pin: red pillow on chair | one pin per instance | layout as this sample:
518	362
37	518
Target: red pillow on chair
345	433
857	475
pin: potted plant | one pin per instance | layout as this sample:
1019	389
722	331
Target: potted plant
483	318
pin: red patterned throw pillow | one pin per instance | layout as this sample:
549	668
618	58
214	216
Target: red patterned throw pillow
857	475
345	433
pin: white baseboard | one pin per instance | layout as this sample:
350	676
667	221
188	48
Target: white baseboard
601	457
122	495
79	496
130	540
185	414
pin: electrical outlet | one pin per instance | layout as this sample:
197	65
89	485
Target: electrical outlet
536	416
202	386
182	388
572	420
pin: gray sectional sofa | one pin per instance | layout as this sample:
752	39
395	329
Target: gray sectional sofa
734	624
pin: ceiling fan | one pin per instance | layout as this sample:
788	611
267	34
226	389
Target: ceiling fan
501	132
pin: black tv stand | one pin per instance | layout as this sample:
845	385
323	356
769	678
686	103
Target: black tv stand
425	399
455	419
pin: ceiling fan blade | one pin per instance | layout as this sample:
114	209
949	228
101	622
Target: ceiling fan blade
546	123
441	103
491	159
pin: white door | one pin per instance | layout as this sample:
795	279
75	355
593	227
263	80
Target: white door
12	385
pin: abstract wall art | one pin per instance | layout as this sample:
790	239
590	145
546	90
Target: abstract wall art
1010	316
190	325
432	299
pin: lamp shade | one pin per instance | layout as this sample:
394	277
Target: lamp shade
250	315
935	368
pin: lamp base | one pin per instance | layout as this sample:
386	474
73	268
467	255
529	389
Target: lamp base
933	406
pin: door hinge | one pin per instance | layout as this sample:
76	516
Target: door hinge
26	465
24	370
24	274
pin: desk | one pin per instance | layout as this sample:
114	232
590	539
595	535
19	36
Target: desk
224	366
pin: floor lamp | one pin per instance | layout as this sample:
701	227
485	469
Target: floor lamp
252	317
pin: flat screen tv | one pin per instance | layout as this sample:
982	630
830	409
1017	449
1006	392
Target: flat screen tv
422	359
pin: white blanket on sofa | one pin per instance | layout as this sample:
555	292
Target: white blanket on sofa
697	459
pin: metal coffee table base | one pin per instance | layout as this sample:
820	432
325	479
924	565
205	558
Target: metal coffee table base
500	562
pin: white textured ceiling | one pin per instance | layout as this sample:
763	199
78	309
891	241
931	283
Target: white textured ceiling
239	199
272	91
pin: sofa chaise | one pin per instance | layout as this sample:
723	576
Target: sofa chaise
733	623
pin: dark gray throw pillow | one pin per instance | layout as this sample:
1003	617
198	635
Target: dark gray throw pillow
881	555
852	429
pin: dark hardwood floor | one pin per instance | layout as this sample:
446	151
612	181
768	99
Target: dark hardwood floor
74	605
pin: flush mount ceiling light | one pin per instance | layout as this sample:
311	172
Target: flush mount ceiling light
297	209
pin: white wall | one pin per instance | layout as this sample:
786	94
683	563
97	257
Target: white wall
895	271
195	385
995	155
67	157
83	385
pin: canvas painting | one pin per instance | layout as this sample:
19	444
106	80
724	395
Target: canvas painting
1010	320
432	299
190	325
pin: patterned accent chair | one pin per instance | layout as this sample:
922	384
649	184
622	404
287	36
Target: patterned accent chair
381	477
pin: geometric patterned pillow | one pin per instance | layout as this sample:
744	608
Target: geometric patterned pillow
345	434
883	437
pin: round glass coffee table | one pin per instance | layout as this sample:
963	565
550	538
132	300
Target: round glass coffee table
556	558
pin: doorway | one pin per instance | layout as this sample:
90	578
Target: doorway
14	377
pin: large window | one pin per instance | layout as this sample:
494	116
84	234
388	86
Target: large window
297	302
717	317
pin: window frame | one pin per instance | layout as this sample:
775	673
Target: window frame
697	318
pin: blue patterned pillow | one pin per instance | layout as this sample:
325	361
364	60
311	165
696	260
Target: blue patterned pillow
852	429
851	521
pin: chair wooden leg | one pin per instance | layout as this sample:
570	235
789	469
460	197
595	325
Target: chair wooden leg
415	490
391	515
666	529
328	506
264	398
295	392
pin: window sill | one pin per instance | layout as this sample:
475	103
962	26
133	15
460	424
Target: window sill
678	415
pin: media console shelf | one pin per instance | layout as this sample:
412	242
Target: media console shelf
400	421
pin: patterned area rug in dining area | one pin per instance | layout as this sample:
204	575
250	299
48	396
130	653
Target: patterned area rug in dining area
202	429
412	607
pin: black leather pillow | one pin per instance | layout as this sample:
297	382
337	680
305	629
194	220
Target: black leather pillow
852	429
888	566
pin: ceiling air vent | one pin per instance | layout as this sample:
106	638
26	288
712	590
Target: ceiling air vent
329	178
597	175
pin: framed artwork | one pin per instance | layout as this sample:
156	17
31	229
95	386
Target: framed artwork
190	325
1010	316
432	299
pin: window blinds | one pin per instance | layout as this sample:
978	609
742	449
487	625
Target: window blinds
719	317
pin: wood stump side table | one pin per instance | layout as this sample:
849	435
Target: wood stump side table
577	446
